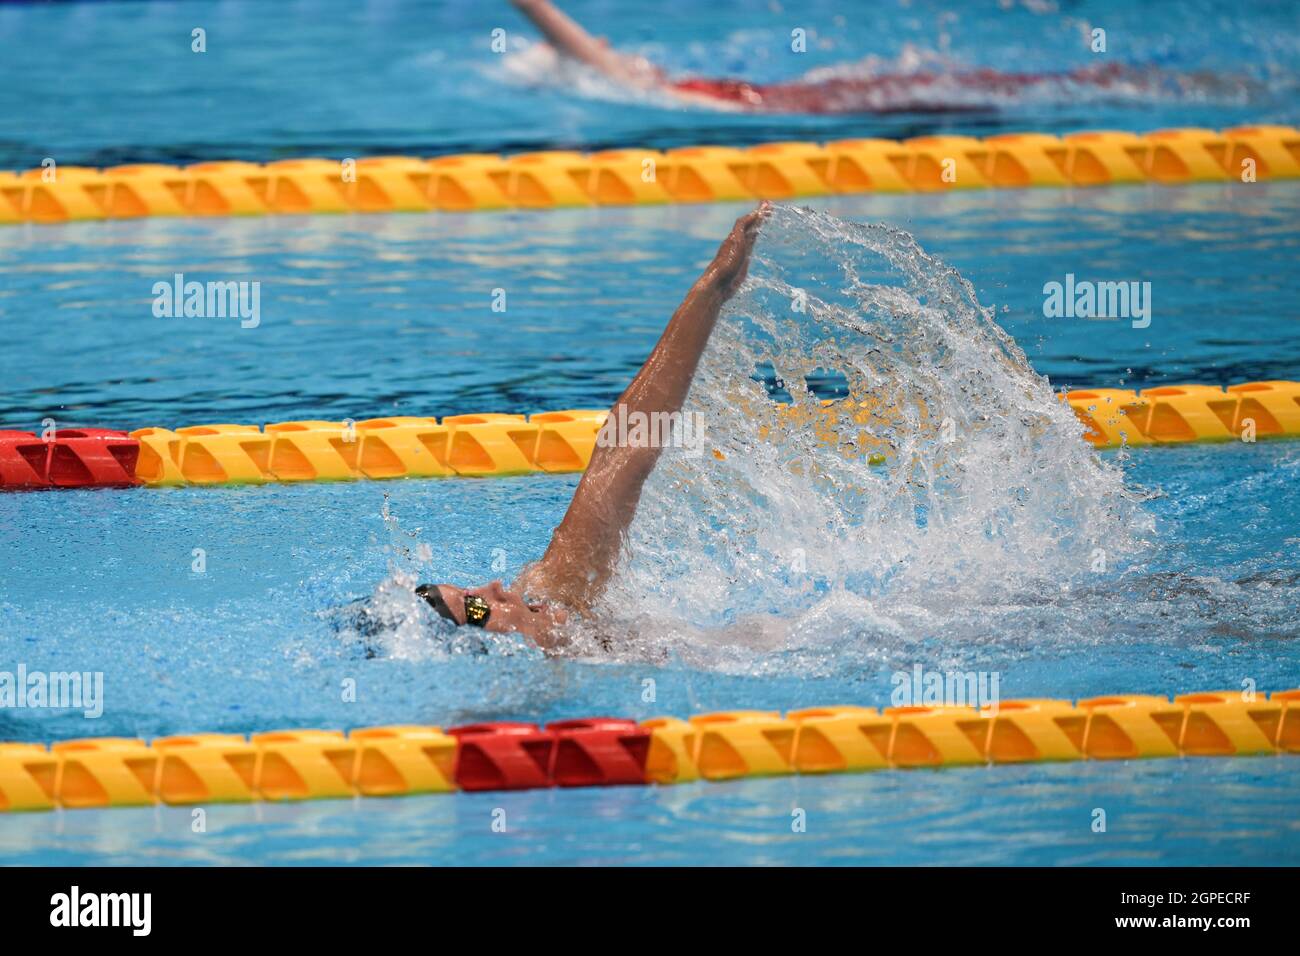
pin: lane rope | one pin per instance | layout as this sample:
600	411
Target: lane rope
497	445
408	759
621	177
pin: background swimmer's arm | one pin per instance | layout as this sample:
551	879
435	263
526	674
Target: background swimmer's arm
585	546
575	42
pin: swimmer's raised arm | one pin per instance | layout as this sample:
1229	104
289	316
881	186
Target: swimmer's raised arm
586	545
573	41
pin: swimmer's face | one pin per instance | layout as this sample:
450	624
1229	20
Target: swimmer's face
507	610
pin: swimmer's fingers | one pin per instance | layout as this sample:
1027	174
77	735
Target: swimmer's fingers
751	222
731	264
747	226
745	233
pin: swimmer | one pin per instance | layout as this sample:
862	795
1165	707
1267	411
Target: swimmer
585	547
909	92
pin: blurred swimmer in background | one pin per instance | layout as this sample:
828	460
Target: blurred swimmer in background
923	92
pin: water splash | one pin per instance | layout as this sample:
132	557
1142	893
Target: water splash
394	622
949	486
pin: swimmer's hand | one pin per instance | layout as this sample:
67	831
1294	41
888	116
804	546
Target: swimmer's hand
730	266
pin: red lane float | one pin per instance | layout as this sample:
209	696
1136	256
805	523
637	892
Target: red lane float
72	458
23	459
600	751
82	457
591	752
503	756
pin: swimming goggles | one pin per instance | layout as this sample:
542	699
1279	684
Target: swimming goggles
477	611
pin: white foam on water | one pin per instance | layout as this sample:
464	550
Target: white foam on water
783	538
537	65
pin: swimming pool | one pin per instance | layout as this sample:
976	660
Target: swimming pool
391	315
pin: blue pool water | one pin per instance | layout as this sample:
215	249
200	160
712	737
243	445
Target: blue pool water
363	316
